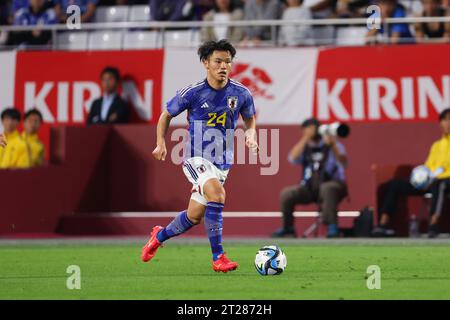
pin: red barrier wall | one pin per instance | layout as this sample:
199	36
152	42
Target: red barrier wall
102	169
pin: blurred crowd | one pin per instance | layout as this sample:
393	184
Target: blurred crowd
38	12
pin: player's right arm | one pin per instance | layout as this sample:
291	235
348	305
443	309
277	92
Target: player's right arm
160	151
174	107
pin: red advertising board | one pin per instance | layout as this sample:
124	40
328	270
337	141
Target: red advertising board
385	83
63	84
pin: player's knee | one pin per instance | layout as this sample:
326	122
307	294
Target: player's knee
217	195
195	220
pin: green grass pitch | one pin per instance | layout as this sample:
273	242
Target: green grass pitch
183	271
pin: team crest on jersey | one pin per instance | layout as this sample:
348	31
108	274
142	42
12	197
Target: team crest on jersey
232	102
201	169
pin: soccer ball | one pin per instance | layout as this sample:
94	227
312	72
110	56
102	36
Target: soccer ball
270	260
421	177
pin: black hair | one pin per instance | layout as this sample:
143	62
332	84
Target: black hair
11	112
387	1
33	112
113	71
309	122
444	114
231	6
207	48
285	2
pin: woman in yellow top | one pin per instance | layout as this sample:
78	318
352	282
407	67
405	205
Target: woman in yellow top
15	154
31	124
438	160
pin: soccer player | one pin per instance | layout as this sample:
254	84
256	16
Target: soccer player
213	106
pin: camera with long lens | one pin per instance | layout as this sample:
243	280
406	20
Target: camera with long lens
335	129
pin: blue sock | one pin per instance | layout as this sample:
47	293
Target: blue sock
179	225
213	226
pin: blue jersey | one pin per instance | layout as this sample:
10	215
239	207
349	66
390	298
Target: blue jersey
26	17
213	116
16	5
83	4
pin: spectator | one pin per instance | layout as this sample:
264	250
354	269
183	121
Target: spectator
397	32
171	10
260	10
299	34
433	30
14	7
110	108
322	9
87	9
323	161
223	11
31	124
15	154
201	7
438	157
36	14
352	8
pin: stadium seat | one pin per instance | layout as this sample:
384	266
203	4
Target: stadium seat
351	36
111	14
139	13
185	38
141	40
104	40
72	40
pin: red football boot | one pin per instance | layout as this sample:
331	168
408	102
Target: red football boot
222	264
149	250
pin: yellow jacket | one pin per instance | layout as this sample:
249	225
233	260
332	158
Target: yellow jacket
16	153
35	147
439	156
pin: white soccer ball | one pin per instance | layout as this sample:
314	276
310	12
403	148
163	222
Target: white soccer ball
270	260
421	177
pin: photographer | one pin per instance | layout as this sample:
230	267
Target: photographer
323	159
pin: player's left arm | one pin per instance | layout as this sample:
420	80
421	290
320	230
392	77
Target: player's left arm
248	112
250	133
